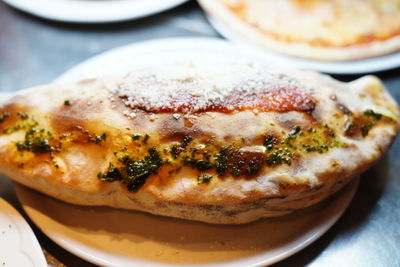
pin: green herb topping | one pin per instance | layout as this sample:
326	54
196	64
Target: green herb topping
362	124
36	141
134	173
22	115
373	114
98	138
204	178
136	137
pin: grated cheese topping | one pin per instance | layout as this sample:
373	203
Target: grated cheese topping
195	87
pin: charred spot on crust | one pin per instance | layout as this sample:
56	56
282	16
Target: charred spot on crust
72	112
67	102
4	116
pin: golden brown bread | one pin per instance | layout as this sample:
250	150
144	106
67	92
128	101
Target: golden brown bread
211	142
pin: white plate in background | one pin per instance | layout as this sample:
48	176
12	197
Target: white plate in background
18	244
162	51
362	66
93	11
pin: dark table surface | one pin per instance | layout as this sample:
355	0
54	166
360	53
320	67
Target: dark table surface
35	51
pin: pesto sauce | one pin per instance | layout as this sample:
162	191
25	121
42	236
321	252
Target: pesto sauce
22	115
176	150
363	123
146	138
113	174
97	139
229	159
279	157
204	178
373	114
366	127
270	141
36	141
136	137
374	118
199	164
222	160
134	173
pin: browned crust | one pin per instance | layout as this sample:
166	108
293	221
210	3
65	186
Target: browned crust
223	200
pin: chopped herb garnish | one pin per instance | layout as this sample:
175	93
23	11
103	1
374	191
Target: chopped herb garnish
316	148
373	114
98	138
293	134
176	151
146	138
204	178
136	172
23	116
253	168
281	156
35	141
113	174
186	140
270	141
222	160
365	128
199	164
136	137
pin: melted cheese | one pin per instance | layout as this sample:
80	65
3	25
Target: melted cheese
321	22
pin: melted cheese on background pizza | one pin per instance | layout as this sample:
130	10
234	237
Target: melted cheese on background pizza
330	23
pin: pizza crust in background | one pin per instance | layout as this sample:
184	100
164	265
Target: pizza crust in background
336	30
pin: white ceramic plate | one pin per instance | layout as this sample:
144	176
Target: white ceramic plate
349	67
162	51
18	244
114	237
93	11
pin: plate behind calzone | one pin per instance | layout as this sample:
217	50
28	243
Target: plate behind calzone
206	141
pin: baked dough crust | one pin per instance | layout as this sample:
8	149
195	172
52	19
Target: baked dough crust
71	173
336	30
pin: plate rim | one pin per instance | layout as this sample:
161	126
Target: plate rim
354	67
85	252
165	44
26	234
90	5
